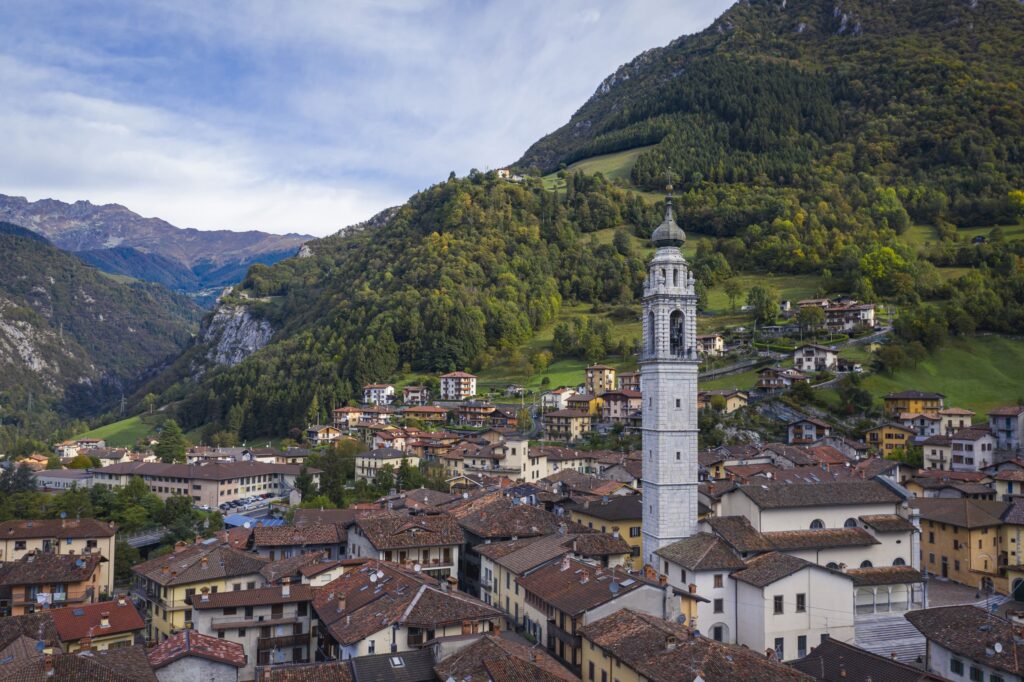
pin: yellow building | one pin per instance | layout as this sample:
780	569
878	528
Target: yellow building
734	398
567	425
369	463
963	540
82	537
39	580
586	402
166	581
619	515
100	626
918	402
888	437
600	378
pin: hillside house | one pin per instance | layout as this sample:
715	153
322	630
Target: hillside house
913	401
321	434
599	378
378	394
629	381
1007	425
925	425
972	448
82	537
812	357
734	398
557	399
369	463
458	386
429	541
954	419
415	395
711	345
566	425
430	414
40	580
619	404
776	379
587	402
888	437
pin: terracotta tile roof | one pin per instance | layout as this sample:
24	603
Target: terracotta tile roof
1010	475
915	395
575	587
286	568
661	651
827	494
358	604
123	664
874	466
424	497
186	565
614	508
835	660
296	536
796	455
766	569
884	575
969	631
963	512
332	671
1008	411
937	440
33	625
306	517
971	476
416	666
56	528
971	433
497	550
42	568
212	471
192	643
598	545
1014	514
495	516
826	454
396	530
701	552
74	622
738	532
824	538
273	594
887	523
536	553
715	489
502	660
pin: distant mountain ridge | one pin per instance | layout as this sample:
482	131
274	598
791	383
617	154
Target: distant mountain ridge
119	241
72	339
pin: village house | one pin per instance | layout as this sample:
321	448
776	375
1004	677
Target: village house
888	437
40	580
415	395
420	610
631	646
283	542
557	399
346	418
167	582
969	643
954	419
321	434
599	378
912	401
190	655
429	414
618	405
847	317
97	627
734	399
776	379
807	430
972	448
1007	425
429	541
81	537
458	386
272	624
369	463
59	480
629	381
619	515
962	541
567	425
378	394
563	597
711	345
494	657
587	402
925	425
561	459
210	484
835	660
475	413
938	452
66	450
812	357
503	563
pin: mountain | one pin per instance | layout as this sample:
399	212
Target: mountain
116	240
73	339
784	97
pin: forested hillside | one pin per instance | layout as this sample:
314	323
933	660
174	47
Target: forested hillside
71	338
796	122
464	272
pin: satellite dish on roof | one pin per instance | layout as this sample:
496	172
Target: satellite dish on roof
998	647
63	515
247	524
417	568
373	577
681	619
614	587
380	574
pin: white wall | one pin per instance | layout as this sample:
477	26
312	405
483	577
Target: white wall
705	582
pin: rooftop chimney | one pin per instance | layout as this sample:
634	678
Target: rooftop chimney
663	580
286	589
121	601
105	619
48	664
204	562
204	594
615	532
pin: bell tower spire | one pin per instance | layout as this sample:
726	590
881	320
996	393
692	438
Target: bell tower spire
668	375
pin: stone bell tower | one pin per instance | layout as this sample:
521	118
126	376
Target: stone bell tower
668	374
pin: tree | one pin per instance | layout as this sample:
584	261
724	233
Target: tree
125	557
408	476
525	420
148	402
80	462
810	318
17	479
384	480
171	447
764	301
317	502
53	463
304	483
734	291
76	503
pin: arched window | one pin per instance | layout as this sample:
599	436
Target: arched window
850	523
832	565
650	333
817	524
676	323
898	561
866	564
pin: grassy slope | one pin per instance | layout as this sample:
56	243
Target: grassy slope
123	433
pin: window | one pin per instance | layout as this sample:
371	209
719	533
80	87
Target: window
832	565
850	523
590	672
718	580
372	648
977	674
931	558
719	606
777	599
898	561
956	667
779	649
931	537
634	532
230	611
19	544
866	564
991	678
817	524
717	633
682	575
801	646
241	632
801	603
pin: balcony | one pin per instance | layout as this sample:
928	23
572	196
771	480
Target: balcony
555	632
228	622
282	642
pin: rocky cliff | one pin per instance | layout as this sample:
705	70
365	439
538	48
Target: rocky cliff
233	333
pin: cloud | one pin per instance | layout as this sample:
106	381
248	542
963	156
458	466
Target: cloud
296	116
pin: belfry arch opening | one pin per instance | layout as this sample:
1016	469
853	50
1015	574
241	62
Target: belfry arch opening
650	335
676	323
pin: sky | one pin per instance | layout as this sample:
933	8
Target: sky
296	116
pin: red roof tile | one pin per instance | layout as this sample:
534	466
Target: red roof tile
75	622
192	643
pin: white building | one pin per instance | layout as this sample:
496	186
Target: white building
1007	425
814	358
972	448
378	394
668	368
458	386
968	643
557	399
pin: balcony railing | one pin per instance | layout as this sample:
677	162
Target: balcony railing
563	636
282	642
